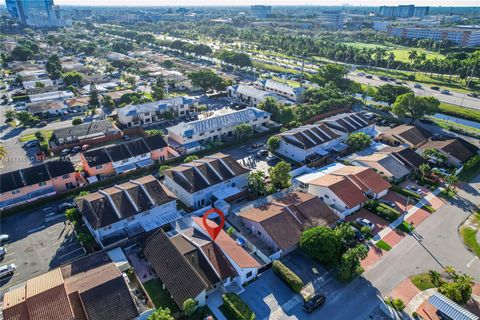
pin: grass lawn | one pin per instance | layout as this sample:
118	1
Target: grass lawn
422	281
460	112
469	237
383	245
47	134
292	83
200	314
159	296
447	124
401	53
273	68
447	194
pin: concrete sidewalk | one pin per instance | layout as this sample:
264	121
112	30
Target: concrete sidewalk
392	226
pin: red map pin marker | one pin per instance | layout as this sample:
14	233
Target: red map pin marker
213	231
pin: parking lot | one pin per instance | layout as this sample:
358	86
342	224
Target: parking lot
39	241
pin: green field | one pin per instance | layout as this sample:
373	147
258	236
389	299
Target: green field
460	112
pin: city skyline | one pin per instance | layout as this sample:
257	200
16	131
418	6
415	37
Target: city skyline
372	3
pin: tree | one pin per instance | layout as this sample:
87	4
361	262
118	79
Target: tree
434	154
280	175
72	78
450	181
346	235
389	93
435	278
169	64
25	118
72	214
54	67
273	143
415	107
349	266
10	114
108	102
94	100
206	79
163	168
76	121
256	183
39	84
236	58
243	131
19	79
334	73
22	53
359	141
424	169
158	93
161	314
190	158
320	243
189	306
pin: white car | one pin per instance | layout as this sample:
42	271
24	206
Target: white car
4	238
414	189
7	270
365	222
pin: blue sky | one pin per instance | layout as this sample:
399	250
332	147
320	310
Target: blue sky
268	2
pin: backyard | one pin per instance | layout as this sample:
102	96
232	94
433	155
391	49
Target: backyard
160	297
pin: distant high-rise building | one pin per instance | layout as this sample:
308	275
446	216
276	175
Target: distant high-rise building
36	13
332	19
404	11
261	11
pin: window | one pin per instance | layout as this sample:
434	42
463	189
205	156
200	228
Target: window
66	176
107	227
98	167
42	183
249	274
15	191
327	197
259	233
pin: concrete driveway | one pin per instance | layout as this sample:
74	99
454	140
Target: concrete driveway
379	223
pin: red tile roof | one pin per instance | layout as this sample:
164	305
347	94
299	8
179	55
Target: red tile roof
343	188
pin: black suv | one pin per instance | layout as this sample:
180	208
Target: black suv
314	302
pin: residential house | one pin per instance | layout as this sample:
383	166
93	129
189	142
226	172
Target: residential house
251	96
280	223
405	135
147	113
405	155
127	209
220	126
128	156
25	185
117	95
91	288
456	150
78	103
50	96
282	89
347	123
62	174
97	163
386	165
307	143
159	150
346	189
87	133
178	276
34	83
244	264
46	108
201	182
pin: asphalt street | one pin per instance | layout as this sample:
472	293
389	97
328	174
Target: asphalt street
40	241
457	98
436	245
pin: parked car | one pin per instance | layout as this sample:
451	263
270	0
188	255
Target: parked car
361	74
441	170
271	158
76	149
85	147
369	76
473	95
436	88
126	137
388	203
64	206
417	85
414	189
258	145
4	238
365	223
393	125
3	252
383	78
262	153
445	91
65	152
358	235
7	270
314	302
42	124
426	121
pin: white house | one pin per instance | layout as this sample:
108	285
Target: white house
347	123
282	89
307	143
47	108
128	209
129	156
53	95
201	182
146	113
244	264
251	96
219	126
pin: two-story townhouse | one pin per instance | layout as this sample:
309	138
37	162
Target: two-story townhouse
457	151
150	112
404	135
251	96
97	163
201	182
25	185
128	156
347	123
217	127
282	89
62	173
307	143
127	209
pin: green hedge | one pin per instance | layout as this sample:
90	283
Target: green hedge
388	213
20	98
290	278
405	192
236	307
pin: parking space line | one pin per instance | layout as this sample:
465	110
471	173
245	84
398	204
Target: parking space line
36	229
8	262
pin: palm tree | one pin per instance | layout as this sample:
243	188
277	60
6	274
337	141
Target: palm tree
424	170
412	55
435	277
390	59
451	180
